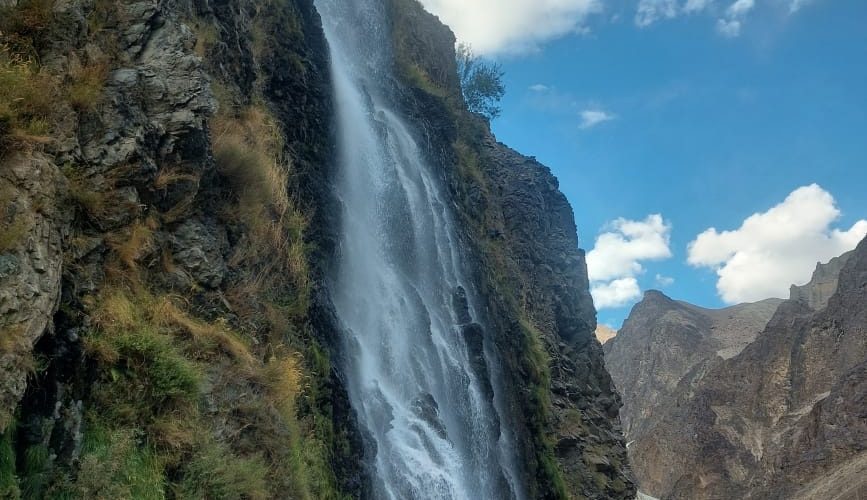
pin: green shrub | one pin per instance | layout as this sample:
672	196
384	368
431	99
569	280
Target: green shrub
537	364
145	370
481	82
215	472
36	477
8	474
114	466
154	371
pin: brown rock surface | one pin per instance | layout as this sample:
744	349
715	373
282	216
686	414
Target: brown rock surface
605	333
785	418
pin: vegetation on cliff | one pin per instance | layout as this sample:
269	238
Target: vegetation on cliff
182	362
481	82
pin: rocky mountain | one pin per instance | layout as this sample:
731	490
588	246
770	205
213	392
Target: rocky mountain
168	219
782	417
605	333
667	346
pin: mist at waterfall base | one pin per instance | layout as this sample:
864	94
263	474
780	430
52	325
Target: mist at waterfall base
417	367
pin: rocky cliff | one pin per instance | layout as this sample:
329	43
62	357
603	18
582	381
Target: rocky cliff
782	419
666	347
160	166
167	214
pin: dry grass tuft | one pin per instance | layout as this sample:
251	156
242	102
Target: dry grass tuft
11	234
24	25
26	100
11	339
248	151
87	85
284	378
13	226
169	176
167	313
135	243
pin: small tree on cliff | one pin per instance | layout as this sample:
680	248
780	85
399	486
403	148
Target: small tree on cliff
481	82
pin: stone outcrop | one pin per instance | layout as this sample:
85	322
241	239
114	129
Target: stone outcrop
822	285
34	227
782	419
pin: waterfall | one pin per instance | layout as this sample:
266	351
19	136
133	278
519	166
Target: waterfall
417	367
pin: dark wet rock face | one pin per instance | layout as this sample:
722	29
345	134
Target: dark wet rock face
536	224
781	419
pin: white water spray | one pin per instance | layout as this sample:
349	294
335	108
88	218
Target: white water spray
411	351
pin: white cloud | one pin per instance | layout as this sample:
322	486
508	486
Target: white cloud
741	7
730	26
592	117
774	249
650	11
796	5
617	293
616	257
539	88
664	281
495	26
617	251
696	5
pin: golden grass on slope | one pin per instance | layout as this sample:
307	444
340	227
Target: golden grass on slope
87	84
248	150
26	102
167	313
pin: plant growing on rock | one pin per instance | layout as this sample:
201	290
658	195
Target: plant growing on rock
481	82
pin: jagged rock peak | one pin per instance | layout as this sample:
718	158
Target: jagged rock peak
822	285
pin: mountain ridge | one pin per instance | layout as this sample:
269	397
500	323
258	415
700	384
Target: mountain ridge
780	419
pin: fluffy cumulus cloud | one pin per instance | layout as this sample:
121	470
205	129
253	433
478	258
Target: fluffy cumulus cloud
615	293
592	117
774	249
616	257
493	26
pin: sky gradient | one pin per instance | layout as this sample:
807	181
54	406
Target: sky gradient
661	107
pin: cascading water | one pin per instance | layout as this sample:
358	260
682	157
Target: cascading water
416	366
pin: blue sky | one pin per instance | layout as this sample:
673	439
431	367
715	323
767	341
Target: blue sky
704	124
